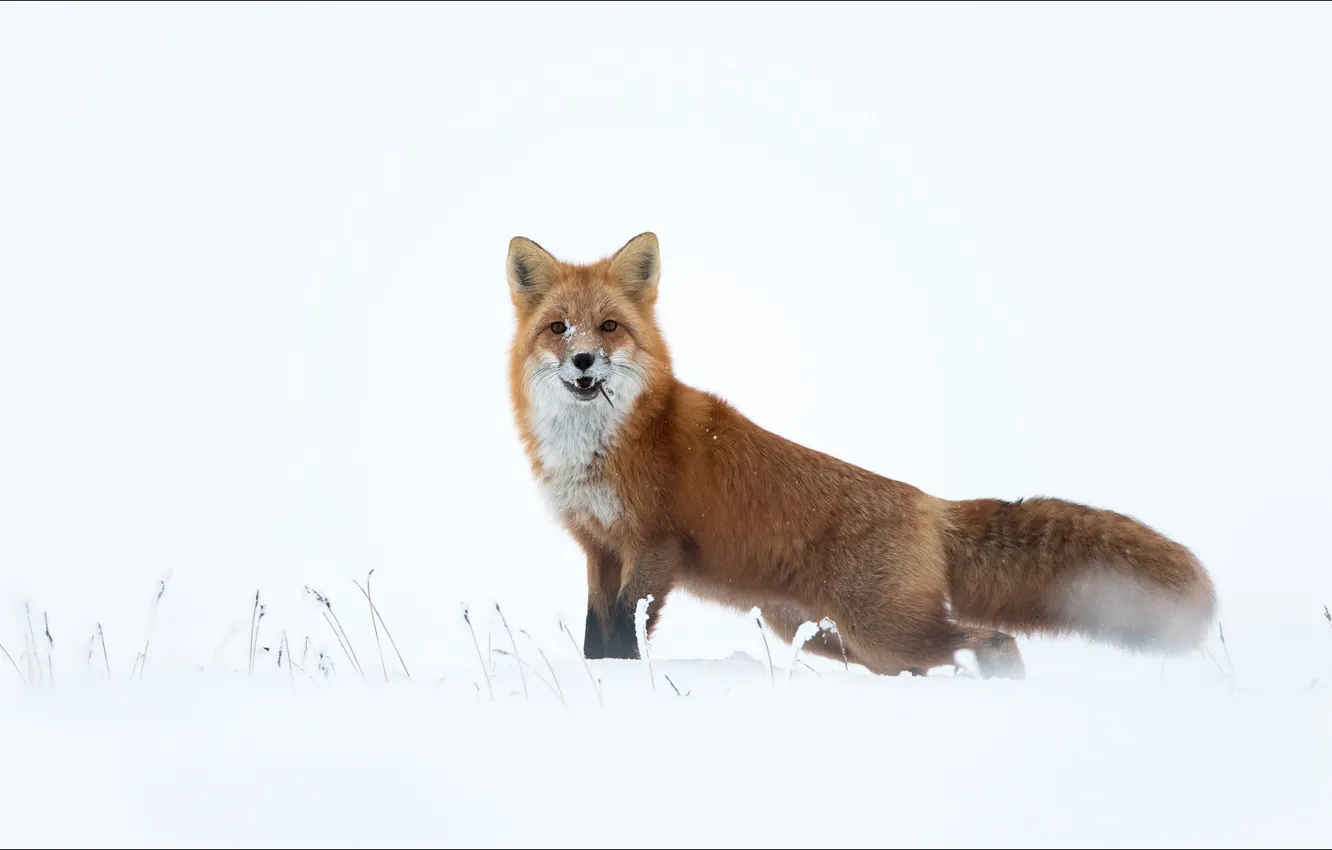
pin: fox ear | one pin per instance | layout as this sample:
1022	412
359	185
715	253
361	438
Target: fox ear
637	266
530	269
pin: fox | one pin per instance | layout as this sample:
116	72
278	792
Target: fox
667	487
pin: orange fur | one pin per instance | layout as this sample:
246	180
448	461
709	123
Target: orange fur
667	487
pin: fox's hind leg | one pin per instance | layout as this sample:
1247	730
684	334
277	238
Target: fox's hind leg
916	635
996	653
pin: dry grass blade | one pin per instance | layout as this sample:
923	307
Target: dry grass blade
674	688
290	664
338	637
375	609
31	657
558	692
1222	632
105	657
339	633
759	621
13	664
374	625
514	644
467	617
549	666
254	619
356	662
141	660
50	648
596	686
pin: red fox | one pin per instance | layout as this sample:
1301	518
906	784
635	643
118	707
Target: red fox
665	486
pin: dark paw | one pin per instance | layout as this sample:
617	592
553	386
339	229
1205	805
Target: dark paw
594	637
622	642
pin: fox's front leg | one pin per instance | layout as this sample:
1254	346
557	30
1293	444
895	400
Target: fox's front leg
651	571
604	569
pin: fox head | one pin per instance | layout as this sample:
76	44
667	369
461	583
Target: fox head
586	345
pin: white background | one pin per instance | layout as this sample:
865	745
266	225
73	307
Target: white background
254	321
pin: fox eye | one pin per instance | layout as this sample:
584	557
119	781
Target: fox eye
558	327
609	325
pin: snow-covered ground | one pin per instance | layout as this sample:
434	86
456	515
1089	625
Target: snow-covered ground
766	747
253	337
740	756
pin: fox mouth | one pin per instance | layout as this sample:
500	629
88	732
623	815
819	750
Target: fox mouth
585	389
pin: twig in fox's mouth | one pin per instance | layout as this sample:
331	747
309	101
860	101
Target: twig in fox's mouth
602	387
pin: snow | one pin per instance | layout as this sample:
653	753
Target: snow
803	633
822	759
254	331
640	635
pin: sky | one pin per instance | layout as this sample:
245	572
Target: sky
254	321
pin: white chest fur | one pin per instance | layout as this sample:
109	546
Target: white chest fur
572	440
582	494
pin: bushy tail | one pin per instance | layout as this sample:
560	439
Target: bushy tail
1056	567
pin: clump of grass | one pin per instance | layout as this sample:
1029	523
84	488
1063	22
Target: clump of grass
596	683
490	688
335	625
284	651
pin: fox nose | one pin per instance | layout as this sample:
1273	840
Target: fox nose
582	360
